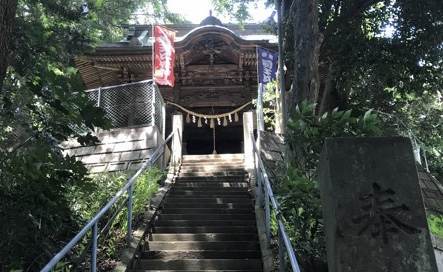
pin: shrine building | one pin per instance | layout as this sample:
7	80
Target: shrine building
215	72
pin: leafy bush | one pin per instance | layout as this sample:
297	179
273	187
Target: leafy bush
435	223
269	105
46	198
307	132
89	198
35	216
298	190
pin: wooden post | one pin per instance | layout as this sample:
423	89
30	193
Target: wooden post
260	116
248	129
177	126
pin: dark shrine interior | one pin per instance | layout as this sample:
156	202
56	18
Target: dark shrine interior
200	140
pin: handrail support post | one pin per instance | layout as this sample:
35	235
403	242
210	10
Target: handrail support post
267	216
281	252
94	248
129	233
260	188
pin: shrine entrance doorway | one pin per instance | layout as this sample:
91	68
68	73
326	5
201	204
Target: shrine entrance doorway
200	140
212	130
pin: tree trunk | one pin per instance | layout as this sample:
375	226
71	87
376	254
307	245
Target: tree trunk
327	94
7	18
307	40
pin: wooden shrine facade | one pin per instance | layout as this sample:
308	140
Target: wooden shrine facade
215	65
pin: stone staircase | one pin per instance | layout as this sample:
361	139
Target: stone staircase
207	222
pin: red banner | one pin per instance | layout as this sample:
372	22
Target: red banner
164	56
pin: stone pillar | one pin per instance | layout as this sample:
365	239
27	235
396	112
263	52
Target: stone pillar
164	120
248	129
157	140
372	206
177	128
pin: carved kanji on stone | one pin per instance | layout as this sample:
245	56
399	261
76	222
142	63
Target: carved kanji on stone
381	215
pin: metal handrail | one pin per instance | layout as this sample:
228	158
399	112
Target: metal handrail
266	197
92	224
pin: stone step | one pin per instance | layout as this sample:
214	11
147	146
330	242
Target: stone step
211	184
176	187
201	245
204	222
193	159
238	163
197	173
212	167
209	237
201	254
244	196
171	216
210	193
172	205
205	229
233	156
204	161
240	178
200	264
205	210
207	221
211	200
206	270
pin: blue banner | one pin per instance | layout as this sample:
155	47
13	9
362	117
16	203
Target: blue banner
267	65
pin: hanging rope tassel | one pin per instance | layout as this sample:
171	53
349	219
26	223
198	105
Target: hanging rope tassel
225	121
199	123
188	118
230	118
193	119
236	117
212	125
206	120
218	121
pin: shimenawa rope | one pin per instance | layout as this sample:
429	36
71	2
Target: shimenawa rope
212	117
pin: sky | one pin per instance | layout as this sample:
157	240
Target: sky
196	10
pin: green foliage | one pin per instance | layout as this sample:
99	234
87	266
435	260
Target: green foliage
237	9
366	67
88	199
297	190
383	54
269	105
36	217
41	104
307	131
435	223
422	118
300	202
46	213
